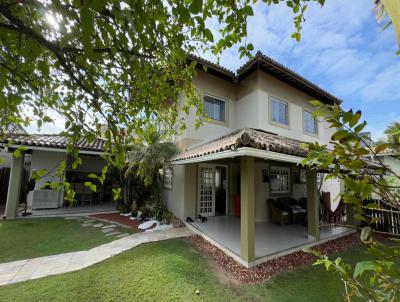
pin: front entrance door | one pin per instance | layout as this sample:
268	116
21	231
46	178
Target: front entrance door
206	190
212	188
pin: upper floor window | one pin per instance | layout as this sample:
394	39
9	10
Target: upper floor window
214	108
310	123
280	112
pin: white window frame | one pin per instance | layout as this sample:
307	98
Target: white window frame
315	122
281	171
168	177
271	115
224	121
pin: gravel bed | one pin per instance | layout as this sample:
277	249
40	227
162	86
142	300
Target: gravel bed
272	267
122	220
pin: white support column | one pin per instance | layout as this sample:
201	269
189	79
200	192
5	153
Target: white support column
14	186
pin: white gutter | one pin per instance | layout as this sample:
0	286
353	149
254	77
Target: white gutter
246	151
54	149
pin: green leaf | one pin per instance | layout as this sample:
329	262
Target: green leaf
381	147
93	176
196	6
340	134
355	119
360	127
348	116
365	233
315	103
98	5
357	164
364	266
86	17
296	36
208	34
17	153
248	10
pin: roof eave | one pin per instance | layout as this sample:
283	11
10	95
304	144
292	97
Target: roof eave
259	59
243	151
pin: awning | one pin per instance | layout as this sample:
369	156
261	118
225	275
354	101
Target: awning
245	142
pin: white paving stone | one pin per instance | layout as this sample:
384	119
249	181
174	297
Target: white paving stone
109	226
114	233
98	225
73	218
22	270
107	230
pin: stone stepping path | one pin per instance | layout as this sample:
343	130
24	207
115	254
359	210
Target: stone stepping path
107	229
18	271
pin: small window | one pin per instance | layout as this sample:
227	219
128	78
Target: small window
168	174
214	108
310	123
280	179
264	175
280	112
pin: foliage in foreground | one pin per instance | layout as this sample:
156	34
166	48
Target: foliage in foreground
349	159
113	68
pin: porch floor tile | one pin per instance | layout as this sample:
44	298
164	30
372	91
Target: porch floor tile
270	238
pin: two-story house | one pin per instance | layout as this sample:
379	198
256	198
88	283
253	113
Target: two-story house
240	169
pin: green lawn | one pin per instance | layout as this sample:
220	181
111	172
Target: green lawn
172	271
36	237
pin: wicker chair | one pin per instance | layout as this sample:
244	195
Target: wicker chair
297	214
277	214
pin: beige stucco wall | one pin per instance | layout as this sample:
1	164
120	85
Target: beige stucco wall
181	199
48	161
214	86
393	163
247	105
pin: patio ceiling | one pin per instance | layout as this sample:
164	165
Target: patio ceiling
245	142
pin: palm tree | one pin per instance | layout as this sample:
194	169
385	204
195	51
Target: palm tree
393	133
146	159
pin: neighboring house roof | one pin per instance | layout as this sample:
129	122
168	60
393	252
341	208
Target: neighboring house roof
248	137
53	141
270	66
15	129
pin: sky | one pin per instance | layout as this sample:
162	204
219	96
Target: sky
342	49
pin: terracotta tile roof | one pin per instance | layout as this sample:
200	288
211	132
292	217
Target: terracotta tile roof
286	75
248	137
53	141
270	66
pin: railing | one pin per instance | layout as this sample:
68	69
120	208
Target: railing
388	217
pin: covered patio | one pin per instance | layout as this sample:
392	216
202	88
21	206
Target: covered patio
270	239
253	235
46	153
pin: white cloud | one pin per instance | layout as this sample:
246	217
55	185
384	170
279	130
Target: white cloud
342	49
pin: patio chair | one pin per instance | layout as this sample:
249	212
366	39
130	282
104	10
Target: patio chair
296	213
277	214
302	210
